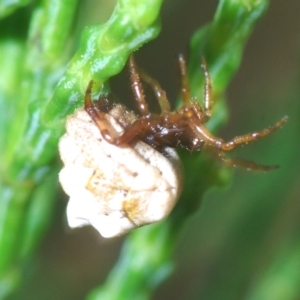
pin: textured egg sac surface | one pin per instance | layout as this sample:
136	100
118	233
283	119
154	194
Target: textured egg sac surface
115	188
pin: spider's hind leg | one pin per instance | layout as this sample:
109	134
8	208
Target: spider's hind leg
246	138
239	163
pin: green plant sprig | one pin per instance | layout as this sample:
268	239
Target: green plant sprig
35	121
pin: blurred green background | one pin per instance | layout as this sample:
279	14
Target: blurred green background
243	242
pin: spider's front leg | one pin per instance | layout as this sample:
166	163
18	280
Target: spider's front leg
135	74
101	122
244	139
207	94
158	91
97	115
185	88
136	87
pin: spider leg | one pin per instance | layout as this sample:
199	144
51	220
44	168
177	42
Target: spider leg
240	163
136	87
207	96
244	139
136	128
101	122
158	91
97	115
185	88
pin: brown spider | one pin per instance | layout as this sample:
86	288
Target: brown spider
179	128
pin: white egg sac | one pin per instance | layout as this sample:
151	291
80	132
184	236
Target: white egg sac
115	188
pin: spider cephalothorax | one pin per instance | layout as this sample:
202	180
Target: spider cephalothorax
183	127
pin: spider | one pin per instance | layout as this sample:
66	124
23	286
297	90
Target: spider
183	127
